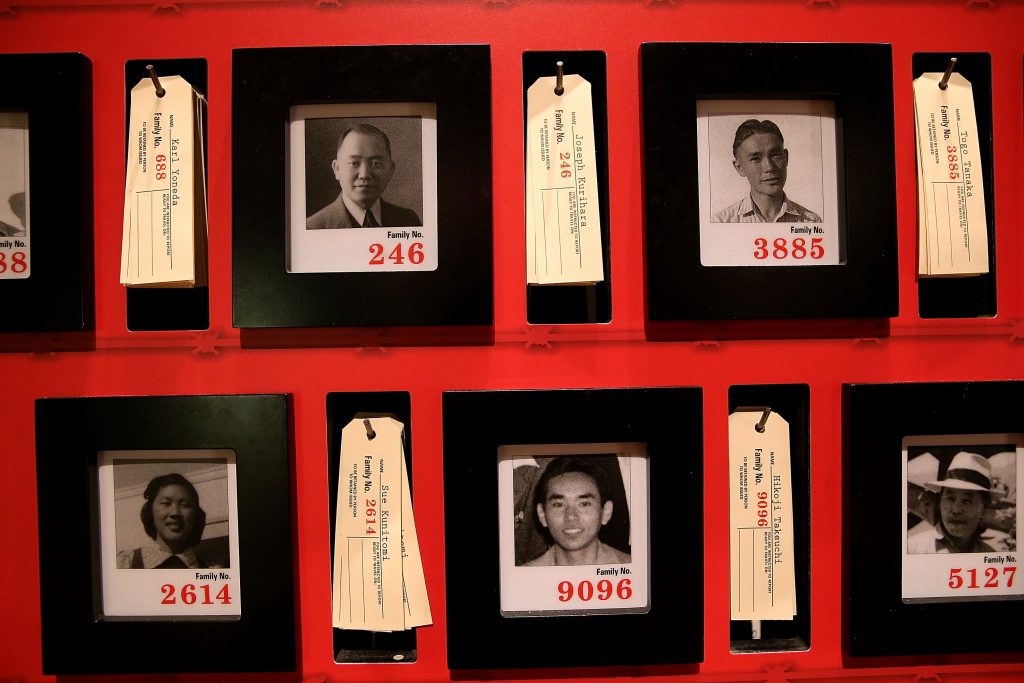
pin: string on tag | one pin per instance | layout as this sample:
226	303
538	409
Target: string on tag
558	79
370	434
759	427
160	92
944	83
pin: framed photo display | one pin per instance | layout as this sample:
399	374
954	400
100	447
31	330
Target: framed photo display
573	517
781	185
564	546
931	475
179	512
46	232
380	212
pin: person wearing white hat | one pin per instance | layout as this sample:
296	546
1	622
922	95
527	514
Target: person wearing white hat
964	495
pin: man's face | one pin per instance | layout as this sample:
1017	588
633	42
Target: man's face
572	511
174	516
363	168
961	512
762	160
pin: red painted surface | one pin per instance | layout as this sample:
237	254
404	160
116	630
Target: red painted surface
523	356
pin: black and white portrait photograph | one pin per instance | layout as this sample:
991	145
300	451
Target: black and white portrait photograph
768	182
173	515
960	527
14	185
363	187
573	528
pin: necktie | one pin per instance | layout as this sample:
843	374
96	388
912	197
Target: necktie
369	221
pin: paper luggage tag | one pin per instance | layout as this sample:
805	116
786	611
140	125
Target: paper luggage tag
953	234
378	574
761	517
417	607
563	219
165	224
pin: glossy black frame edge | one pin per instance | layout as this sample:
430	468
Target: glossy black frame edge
792	402
342	407
876	418
56	90
69	433
858	78
167	308
553	305
476	423
266	83
966	297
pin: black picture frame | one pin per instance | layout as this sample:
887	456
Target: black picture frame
56	91
267	83
858	79
669	421
966	297
69	433
876	622
561	304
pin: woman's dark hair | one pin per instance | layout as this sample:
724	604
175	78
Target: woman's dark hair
153	488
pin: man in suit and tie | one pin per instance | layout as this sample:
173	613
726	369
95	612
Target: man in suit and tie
363	167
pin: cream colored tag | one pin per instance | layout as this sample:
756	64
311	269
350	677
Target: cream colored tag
563	218
417	607
164	232
761	518
378	573
953	236
368	542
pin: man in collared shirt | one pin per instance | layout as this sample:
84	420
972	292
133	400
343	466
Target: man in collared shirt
363	168
760	156
573	504
964	496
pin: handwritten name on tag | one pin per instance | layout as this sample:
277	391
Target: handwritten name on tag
563	221
761	518
378	574
953	236
164	230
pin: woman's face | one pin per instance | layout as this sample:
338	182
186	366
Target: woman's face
174	516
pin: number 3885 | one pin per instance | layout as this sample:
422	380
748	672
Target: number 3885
781	248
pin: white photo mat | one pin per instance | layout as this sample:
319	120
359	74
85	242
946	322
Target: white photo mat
351	251
576	590
15	260
809	131
964	576
167	594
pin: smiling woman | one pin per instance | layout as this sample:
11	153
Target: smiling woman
174	522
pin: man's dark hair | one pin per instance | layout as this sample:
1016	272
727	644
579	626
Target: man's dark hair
571	463
754	127
153	488
365	129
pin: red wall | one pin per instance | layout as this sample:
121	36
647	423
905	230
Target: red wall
582	356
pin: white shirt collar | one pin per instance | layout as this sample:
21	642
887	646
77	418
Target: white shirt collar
359	213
